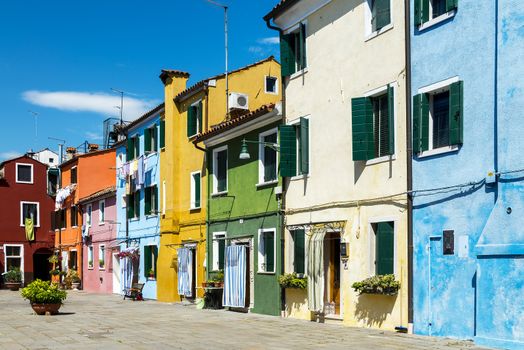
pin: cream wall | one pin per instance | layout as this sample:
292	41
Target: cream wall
341	65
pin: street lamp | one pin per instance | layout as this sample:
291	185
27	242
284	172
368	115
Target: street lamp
244	153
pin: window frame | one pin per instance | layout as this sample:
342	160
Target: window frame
296	124
90	254
261	157
89	215
102	256
266	77
215	262
372	243
22	223
198	127
192	187
295	30
215	169
101	213
75	168
32	173
21	257
261	255
75	216
153	200
369	33
432	21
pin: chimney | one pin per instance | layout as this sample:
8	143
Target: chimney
71	151
92	147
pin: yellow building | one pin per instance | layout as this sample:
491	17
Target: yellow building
189	111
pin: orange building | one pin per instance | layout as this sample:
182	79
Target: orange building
81	176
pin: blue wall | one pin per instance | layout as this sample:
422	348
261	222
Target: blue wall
472	293
144	230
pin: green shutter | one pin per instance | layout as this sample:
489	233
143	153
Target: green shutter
147	200
199	117
147	260
221	251
197	189
304	146
424	122
299	247
162	133
362	129
287	56
381	13
130	206
147	140
425	10
136	200
384	248
130	149
137	146
191	121
288	151
417	14
269	246
451	5
416	123
302	46
391	120
456	115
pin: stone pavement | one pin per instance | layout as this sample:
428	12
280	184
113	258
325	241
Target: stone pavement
93	321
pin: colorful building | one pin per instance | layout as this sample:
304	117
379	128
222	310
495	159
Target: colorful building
101	266
81	176
137	200
468	233
190	111
24	195
243	207
343	157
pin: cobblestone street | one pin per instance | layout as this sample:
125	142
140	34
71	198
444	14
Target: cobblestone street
91	321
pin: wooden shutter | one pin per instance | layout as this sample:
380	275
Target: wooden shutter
199	116
221	251
451	5
130	149
196	179
136	142
147	200
147	260
269	246
147	140
425	11
54	226
416	123
417	12
130	205
288	151
420	123
456	113
154	250
162	133
362	128
191	121
382	13
304	146
287	55
299	247
136	201
302	46
384	248
391	120
270	159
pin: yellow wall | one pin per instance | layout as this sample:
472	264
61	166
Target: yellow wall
180	158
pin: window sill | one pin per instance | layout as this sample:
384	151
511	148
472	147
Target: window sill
33	225
219	194
381	160
151	279
379	32
24	182
134	219
271	93
299	177
298	74
267	184
437	151
90	268
437	20
195	208
265	273
149	216
101	269
101	224
150	153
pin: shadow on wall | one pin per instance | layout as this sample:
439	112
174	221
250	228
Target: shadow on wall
374	309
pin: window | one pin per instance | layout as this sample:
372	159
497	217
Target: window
133	148
299	250
220	170
53	175
267	164
73	175
133	205
380	14
150	257
431	10
101	257
89	213
271	86
294	148
293	51
24	173
194	119
162	133
14	257
150	139
195	190
219	247
266	250
30	210
90	257
74	216
151	200
101	212
384	247
62	218
373	125
73	256
51	160
438	117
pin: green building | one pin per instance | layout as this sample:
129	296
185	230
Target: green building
243	205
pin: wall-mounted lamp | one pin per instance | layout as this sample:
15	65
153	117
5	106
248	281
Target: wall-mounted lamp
244	153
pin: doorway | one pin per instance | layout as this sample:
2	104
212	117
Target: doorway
117	289
332	273
41	266
250	274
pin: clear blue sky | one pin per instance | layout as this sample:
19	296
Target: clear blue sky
60	58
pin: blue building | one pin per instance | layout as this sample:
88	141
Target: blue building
468	223
138	174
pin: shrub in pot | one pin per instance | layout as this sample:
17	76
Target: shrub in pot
291	280
13	279
44	296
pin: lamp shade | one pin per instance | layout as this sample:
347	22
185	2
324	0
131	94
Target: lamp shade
244	153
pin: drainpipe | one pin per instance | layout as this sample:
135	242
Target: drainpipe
409	156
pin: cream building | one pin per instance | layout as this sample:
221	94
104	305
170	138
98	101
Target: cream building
344	157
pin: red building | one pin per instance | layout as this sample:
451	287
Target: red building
24	194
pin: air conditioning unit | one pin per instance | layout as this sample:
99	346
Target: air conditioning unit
238	101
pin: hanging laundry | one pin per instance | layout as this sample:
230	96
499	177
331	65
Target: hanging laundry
85	231
62	194
315	271
29	229
234	276
185	271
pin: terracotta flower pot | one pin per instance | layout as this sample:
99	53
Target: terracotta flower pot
14	286
42	309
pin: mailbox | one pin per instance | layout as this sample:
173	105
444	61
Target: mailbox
344	250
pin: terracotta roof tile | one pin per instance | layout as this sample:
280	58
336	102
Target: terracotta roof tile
108	190
167	73
279	8
145	116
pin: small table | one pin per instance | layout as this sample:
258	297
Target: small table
213	298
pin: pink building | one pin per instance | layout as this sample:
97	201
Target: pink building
100	265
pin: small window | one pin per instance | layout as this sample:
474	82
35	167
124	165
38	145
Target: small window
271	85
299	251
293	51
150	139
62	216
101	212
267	157
133	148
133	205
29	210
294	148
151	200
24	173
438	8
51	160
194	119
220	170
384	247
13	257
195	190
266	251
74	216
73	175
90	263
430	10
380	14
219	247
150	259
381	125
89	213
52	181
73	256
101	257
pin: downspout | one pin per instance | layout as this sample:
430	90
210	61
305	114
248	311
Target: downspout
409	157
495	102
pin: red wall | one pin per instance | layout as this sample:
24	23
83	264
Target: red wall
11	194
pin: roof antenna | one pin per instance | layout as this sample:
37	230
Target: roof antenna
35	114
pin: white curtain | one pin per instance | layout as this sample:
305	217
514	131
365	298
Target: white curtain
234	276
315	271
185	272
126	272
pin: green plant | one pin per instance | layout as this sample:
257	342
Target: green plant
43	292
13	276
380	284
291	280
53	259
151	273
101	262
54	272
72	274
90	263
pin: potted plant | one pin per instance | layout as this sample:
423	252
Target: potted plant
72	275
90	264
291	280
151	274
219	279
101	263
53	259
13	279
380	284
44	297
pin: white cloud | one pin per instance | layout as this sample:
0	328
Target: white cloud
255	49
9	155
94	136
274	40
95	102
